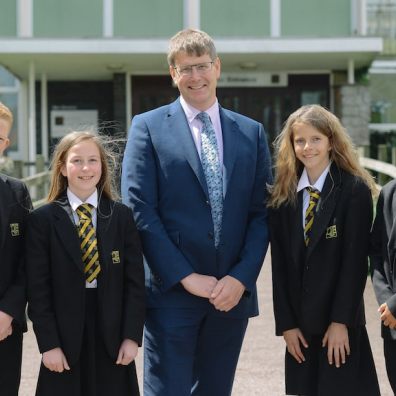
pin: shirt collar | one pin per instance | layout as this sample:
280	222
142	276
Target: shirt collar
318	185
191	112
75	202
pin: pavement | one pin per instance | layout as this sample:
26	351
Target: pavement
260	368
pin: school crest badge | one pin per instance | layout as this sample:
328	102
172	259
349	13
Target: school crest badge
331	232
14	227
115	256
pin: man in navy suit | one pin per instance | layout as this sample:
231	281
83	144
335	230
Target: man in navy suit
203	252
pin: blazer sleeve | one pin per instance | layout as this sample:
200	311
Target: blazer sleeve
40	296
283	311
13	302
134	307
257	238
139	191
378	256
354	258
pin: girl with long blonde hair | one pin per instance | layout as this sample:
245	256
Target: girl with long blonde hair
320	219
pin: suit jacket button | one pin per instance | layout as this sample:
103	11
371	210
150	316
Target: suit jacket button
210	235
207	203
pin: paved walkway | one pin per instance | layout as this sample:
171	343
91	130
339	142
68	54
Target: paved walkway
260	369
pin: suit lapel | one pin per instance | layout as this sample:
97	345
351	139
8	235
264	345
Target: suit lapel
180	130
67	232
325	208
6	199
230	143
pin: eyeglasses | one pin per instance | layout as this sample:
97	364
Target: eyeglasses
200	68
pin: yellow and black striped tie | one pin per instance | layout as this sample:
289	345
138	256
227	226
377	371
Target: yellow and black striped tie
314	196
89	243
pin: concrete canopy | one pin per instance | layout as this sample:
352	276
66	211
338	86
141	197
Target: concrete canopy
99	59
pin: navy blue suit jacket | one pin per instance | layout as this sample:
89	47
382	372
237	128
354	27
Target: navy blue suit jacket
164	183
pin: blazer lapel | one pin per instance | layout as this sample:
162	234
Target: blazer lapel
104	228
67	232
104	214
230	143
179	128
6	199
297	230
325	208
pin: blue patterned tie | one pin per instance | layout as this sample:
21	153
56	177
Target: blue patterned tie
212	171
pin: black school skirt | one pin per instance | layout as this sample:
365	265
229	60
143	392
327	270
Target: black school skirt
315	377
95	373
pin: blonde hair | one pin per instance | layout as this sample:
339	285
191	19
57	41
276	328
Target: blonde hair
289	168
59	183
192	42
5	113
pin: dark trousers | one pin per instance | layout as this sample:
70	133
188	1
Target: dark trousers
390	362
188	352
95	373
10	363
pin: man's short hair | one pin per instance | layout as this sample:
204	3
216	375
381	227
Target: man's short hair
192	42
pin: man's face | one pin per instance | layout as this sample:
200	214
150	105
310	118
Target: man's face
196	77
5	128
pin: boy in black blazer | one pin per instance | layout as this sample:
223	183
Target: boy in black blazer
15	204
382	259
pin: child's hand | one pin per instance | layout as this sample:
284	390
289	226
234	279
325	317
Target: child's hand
337	340
386	316
55	360
128	352
293	338
5	325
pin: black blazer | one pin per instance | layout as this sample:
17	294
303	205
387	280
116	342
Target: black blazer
15	205
56	282
383	252
324	282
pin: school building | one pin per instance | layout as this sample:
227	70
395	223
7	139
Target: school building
72	63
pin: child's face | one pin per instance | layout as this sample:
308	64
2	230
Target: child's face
83	168
5	127
311	146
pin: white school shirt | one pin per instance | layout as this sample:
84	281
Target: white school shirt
75	202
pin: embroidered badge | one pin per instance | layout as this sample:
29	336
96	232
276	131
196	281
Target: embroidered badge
14	229
331	232
115	256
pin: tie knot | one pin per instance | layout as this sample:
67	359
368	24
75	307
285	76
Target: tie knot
313	193
84	211
203	117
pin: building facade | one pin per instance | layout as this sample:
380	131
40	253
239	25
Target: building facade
99	62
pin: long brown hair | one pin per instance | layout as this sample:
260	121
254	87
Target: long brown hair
59	182
288	167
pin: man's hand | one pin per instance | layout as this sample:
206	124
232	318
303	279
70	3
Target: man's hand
55	360
5	325
199	285
227	293
128	352
293	339
386	316
337	340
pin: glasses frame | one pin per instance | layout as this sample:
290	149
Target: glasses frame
187	71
